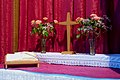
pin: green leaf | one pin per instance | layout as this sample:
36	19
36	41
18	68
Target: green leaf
40	24
79	29
78	36
34	30
45	33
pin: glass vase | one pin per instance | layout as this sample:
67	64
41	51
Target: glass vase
92	46
43	45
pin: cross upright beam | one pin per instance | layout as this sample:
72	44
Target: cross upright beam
68	23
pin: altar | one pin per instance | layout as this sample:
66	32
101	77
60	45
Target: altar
79	59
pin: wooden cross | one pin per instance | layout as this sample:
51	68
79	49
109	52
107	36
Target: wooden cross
68	23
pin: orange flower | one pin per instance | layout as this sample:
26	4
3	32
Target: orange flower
38	21
45	18
81	19
96	18
93	15
32	22
55	21
78	18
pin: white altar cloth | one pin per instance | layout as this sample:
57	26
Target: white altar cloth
100	60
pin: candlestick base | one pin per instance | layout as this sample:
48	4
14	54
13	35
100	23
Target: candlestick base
68	52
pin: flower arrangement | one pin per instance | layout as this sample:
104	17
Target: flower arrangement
44	29
93	25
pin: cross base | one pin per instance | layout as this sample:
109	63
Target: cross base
68	52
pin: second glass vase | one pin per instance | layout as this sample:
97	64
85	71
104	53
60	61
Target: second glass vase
43	45
92	46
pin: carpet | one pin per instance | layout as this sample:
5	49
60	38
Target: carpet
6	74
95	72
